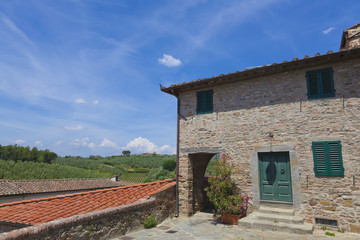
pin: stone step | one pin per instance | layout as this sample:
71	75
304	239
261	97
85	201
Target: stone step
276	210
251	222
280	218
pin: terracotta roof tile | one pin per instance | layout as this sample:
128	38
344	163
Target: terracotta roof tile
43	210
15	187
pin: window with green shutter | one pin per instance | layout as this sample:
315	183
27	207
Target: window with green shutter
327	158
320	83
204	102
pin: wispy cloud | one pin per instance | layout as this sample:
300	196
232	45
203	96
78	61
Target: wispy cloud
327	31
96	102
169	61
74	128
11	25
20	141
39	144
80	101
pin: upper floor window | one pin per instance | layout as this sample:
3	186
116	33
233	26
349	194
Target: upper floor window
320	83
327	158
204	102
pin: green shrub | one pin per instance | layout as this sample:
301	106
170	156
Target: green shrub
169	165
159	174
330	234
150	222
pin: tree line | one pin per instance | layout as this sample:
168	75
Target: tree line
20	153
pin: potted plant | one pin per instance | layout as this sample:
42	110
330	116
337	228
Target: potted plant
223	193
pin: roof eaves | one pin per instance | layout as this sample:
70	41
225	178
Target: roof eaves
263	70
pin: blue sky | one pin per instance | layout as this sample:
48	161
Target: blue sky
81	77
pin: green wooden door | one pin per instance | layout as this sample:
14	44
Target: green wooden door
275	177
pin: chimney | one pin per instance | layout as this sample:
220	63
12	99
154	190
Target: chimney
350	38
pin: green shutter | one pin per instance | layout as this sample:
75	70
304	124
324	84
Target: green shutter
327	158
200	102
204	102
335	159
209	101
313	89
319	158
320	83
327	83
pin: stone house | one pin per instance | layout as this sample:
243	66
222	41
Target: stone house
292	130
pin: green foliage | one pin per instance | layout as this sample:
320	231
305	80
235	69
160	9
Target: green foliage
135	168
105	166
341	231
330	234
223	192
169	165
19	153
31	170
133	177
141	170
323	228
126	153
210	168
150	222
159	174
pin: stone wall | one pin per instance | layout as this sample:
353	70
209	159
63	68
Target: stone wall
245	112
102	224
354	41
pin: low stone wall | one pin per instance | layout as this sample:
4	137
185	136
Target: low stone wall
102	224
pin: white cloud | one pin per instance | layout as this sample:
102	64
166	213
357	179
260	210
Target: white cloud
107	143
80	101
20	141
167	149
96	102
91	145
328	30
39	144
169	61
74	128
84	142
143	145
58	142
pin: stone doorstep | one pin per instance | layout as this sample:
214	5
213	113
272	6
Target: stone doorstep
277	210
280	218
254	223
276	219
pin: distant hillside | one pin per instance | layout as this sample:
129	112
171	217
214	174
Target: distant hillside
134	168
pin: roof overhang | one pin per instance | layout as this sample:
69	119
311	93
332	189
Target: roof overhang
306	62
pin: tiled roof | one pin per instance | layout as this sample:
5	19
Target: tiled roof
36	211
252	72
14	187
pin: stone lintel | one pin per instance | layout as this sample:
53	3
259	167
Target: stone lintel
209	150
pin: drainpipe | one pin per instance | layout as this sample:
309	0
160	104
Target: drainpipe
177	147
177	155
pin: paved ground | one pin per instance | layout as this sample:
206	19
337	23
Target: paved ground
200	226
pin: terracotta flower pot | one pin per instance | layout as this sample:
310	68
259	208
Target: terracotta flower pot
231	219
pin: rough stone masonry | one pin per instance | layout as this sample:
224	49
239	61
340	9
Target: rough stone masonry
270	111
